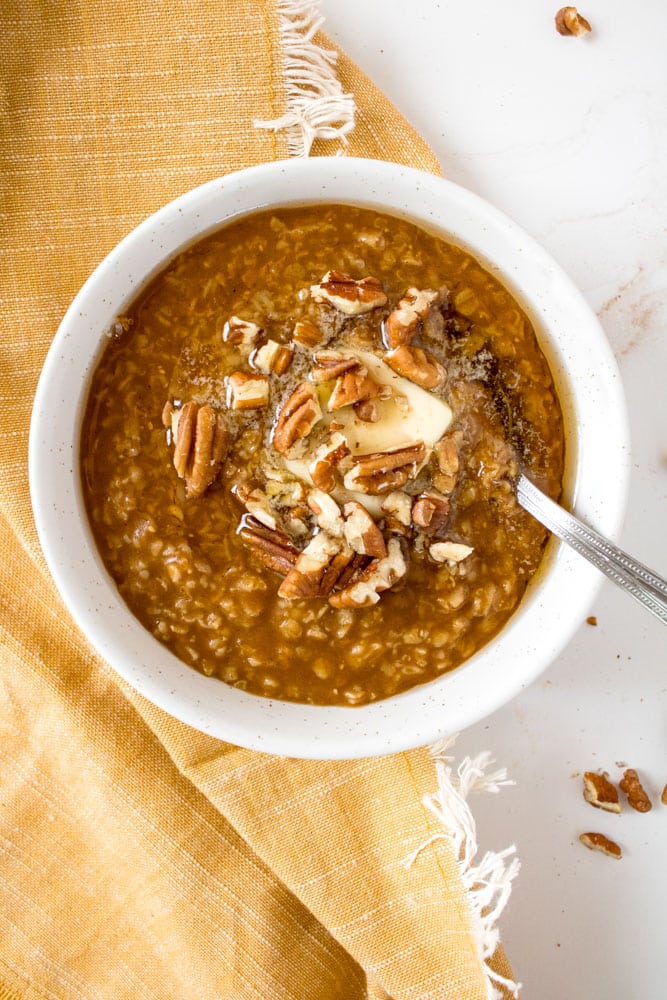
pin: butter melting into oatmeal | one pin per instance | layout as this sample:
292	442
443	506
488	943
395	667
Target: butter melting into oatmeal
298	455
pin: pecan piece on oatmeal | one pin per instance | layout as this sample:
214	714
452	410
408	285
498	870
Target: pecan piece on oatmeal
283	490
600	792
272	357
330	365
402	324
201	441
570	22
247	392
297	417
348	295
287	498
397	510
317	569
385	471
367	410
326	460
446	455
307	334
417	365
361	532
365	587
430	512
271	546
257	504
240	332
599	842
327	512
351	388
449	552
634	790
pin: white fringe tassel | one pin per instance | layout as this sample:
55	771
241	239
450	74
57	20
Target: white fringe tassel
489	881
317	108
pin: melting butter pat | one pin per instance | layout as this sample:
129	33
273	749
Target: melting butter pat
409	414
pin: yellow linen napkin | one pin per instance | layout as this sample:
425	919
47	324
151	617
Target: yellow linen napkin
139	858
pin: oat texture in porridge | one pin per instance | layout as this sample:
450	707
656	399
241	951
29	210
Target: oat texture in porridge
298	451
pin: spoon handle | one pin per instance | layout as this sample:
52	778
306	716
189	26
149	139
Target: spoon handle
642	583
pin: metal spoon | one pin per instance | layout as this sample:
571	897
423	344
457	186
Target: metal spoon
642	583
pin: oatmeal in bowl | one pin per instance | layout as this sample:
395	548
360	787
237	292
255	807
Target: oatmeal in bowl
286	507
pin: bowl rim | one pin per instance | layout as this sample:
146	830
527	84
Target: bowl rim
597	480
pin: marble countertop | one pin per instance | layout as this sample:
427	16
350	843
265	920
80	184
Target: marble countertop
568	136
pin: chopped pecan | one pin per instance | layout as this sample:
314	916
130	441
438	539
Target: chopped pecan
201	442
417	365
307	334
361	532
446	454
430	512
296	525
634	790
257	504
384	471
600	792
341	569
247	392
272	357
327	512
367	410
451	552
570	22
663	797
272	547
379	575
330	365
284	492
347	295
397	508
298	415
326	459
240	332
402	324
317	568
598	842
353	387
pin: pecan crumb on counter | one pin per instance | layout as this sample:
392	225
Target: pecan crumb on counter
599	842
634	790
600	792
570	22
663	797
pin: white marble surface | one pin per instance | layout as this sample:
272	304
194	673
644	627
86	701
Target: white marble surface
569	137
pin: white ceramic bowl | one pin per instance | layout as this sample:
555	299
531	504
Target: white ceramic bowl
555	604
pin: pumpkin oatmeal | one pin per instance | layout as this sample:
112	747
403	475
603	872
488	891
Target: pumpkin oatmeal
299	450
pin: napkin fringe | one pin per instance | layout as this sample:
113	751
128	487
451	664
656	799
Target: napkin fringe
488	882
317	108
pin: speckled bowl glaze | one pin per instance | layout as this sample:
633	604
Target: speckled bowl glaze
557	600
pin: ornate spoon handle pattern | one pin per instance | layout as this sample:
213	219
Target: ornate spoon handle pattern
642	583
